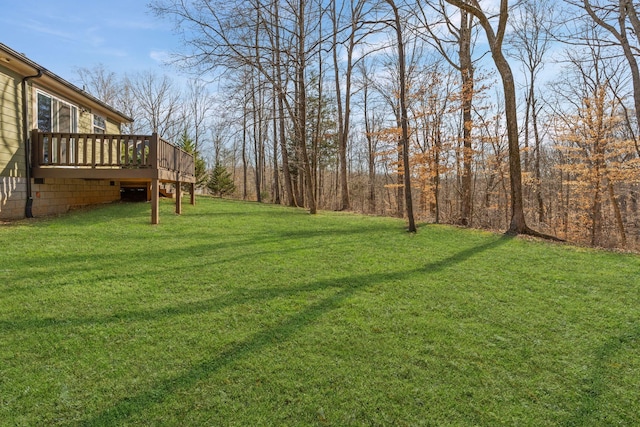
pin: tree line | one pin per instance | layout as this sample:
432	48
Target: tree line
521	117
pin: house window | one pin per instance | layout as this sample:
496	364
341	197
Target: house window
99	124
56	115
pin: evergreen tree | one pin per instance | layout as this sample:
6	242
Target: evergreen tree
200	166
220	181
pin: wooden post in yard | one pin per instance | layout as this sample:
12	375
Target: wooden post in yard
193	193
177	163
155	182
178	198
155	200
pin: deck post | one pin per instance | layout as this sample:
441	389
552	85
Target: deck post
155	200
193	193
154	151
36	149
177	163
178	198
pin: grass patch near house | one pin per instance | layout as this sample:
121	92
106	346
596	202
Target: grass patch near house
245	314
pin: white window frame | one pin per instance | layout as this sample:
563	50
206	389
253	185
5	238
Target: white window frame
99	129
55	119
68	147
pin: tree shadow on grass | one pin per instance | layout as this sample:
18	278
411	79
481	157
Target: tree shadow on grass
464	255
346	287
596	384
74	262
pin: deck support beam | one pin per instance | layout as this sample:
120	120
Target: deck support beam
193	193
178	198
155	201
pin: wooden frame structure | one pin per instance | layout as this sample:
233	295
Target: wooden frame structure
129	159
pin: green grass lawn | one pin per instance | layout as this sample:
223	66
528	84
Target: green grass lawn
244	314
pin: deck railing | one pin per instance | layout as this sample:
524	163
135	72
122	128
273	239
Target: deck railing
102	151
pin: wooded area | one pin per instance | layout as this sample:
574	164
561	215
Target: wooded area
521	117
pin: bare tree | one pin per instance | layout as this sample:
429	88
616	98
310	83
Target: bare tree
355	17
598	159
388	89
274	30
301	99
371	126
531	39
404	120
434	89
462	35
222	34
127	103
495	38
620	19
159	103
100	82
200	106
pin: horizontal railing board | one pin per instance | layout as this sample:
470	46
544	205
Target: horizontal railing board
114	156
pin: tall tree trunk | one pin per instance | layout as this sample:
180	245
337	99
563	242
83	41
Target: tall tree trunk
466	71
537	166
244	153
301	106
436	166
596	213
618	213
257	136
404	119
279	86
400	177
256	99
342	139
276	173
318	131
370	151
517	224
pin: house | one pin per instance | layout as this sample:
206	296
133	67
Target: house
61	148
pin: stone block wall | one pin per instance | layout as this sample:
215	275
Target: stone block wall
58	196
54	196
13	196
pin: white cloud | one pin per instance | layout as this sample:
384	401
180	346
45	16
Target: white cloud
132	25
113	52
39	27
160	56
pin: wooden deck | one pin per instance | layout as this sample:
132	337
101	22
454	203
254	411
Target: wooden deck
129	159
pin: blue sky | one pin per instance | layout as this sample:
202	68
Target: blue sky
63	35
